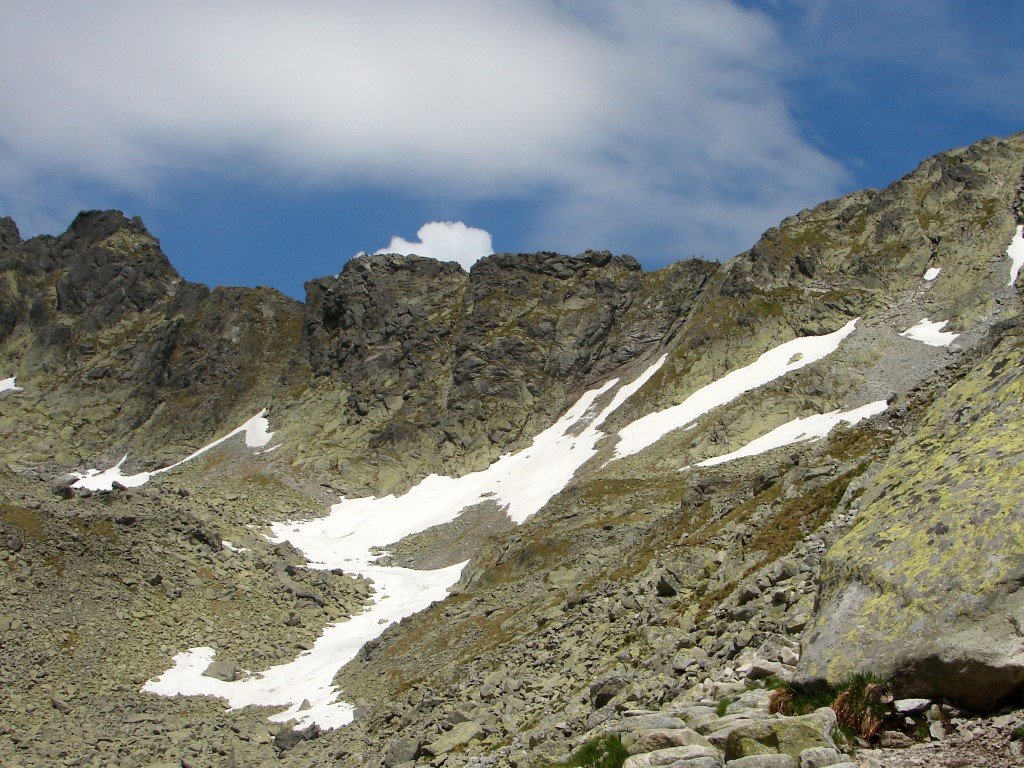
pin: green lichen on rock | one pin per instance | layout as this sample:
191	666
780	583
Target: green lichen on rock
925	588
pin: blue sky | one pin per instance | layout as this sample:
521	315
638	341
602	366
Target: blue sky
267	142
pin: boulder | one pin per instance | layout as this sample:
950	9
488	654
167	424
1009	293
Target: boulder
401	750
222	670
674	756
463	733
655	739
764	761
927	594
822	757
604	690
781	735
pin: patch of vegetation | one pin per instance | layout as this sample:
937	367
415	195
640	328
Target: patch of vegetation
861	706
800	516
792	699
860	703
723	705
28	520
602	752
1017	734
854	442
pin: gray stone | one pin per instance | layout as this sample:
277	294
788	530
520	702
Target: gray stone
895	740
821	757
651	740
288	737
763	761
789	735
671	756
222	670
761	669
604	690
463	733
910	706
401	749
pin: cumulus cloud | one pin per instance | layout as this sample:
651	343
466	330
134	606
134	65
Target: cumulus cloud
660	118
445	241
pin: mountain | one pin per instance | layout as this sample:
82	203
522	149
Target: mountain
570	497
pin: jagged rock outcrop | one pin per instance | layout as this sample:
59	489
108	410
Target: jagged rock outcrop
441	370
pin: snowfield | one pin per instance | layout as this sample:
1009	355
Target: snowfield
256	436
774	363
1015	252
357	531
798	431
351	536
931	333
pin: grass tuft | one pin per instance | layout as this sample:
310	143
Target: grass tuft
602	752
861	706
860	703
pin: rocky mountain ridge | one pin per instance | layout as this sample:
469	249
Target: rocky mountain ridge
656	580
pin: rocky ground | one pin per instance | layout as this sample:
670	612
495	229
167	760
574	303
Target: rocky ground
100	590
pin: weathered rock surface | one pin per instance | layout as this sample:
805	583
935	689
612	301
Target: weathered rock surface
926	587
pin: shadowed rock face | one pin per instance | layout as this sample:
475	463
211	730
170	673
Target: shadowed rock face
437	364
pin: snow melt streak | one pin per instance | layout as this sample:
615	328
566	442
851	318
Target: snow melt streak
771	365
521	483
931	333
256	436
1016	254
799	430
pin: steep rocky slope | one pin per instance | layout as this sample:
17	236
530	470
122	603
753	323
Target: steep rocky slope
682	556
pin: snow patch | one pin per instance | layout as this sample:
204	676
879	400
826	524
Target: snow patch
256	436
932	273
798	431
1015	252
774	363
353	536
103	480
8	385
931	333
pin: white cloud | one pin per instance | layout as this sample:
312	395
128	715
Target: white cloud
445	241
660	118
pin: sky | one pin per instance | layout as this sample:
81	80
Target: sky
266	143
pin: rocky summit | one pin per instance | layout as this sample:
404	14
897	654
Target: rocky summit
553	511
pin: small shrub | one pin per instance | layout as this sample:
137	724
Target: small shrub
1017	734
602	752
781	701
795	699
861	705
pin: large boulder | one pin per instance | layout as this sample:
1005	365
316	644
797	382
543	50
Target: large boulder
777	735
925	590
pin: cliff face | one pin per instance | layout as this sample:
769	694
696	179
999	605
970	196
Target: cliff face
681	550
397	358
